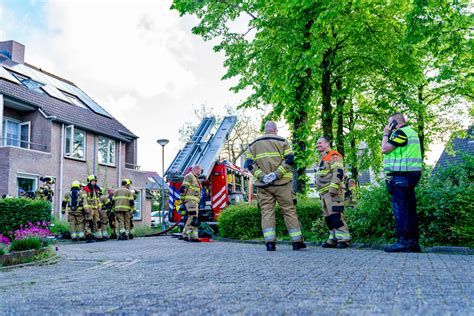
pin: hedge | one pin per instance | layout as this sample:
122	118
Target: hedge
244	221
17	211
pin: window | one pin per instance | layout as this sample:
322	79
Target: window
26	186
29	83
106	151
74	100
75	142
137	214
15	133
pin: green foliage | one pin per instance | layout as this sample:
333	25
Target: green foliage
17	211
2	250
445	205
141	231
27	244
371	220
243	221
58	227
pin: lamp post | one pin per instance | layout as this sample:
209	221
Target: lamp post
163	143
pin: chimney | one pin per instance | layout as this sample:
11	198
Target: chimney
13	50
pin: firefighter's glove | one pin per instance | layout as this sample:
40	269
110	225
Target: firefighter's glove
269	178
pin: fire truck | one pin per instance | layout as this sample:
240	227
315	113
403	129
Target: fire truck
223	183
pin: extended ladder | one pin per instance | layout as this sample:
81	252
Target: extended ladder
186	156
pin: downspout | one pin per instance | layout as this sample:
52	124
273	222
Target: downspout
94	155
119	169
61	172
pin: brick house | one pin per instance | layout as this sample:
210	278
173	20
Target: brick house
49	126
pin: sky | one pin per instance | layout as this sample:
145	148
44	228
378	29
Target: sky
137	59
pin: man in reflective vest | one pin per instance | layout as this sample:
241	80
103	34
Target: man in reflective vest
191	194
402	164
90	196
123	203
331	188
72	203
270	159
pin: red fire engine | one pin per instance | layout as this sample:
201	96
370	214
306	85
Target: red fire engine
223	183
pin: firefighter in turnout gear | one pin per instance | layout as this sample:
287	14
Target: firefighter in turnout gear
123	203
331	187
133	210
105	204
72	203
270	159
45	192
403	164
90	196
110	210
190	195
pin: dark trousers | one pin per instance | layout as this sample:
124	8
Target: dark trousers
402	188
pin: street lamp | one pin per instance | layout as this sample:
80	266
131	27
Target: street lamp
163	143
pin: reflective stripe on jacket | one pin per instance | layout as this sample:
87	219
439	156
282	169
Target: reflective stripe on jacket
90	198
191	189
123	199
330	172
407	158
270	153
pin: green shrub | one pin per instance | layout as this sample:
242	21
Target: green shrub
244	221
58	227
372	220
445	206
2	250
26	244
17	211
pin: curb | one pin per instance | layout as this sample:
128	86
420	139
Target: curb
48	261
435	249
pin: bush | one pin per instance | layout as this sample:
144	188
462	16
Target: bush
372	220
244	221
27	244
58	227
18	211
445	201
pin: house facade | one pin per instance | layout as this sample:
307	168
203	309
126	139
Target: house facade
50	127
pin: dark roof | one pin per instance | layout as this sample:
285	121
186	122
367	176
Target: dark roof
64	112
157	182
459	145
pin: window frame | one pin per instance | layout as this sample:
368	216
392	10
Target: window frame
33	177
69	154
108	158
138	206
18	140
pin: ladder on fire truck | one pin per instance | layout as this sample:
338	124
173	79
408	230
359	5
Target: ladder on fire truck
186	156
199	151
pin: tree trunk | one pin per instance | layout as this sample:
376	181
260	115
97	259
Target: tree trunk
341	99
421	120
326	91
353	150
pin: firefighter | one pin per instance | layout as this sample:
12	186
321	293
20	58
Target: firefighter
133	210
91	202
403	164
123	203
351	190
105	205
72	203
45	192
191	194
331	187
270	159
112	219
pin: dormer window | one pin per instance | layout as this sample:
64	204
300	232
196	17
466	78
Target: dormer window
29	83
74	100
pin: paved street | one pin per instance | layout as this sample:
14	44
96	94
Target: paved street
166	276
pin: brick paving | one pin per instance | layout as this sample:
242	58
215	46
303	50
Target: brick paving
166	276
